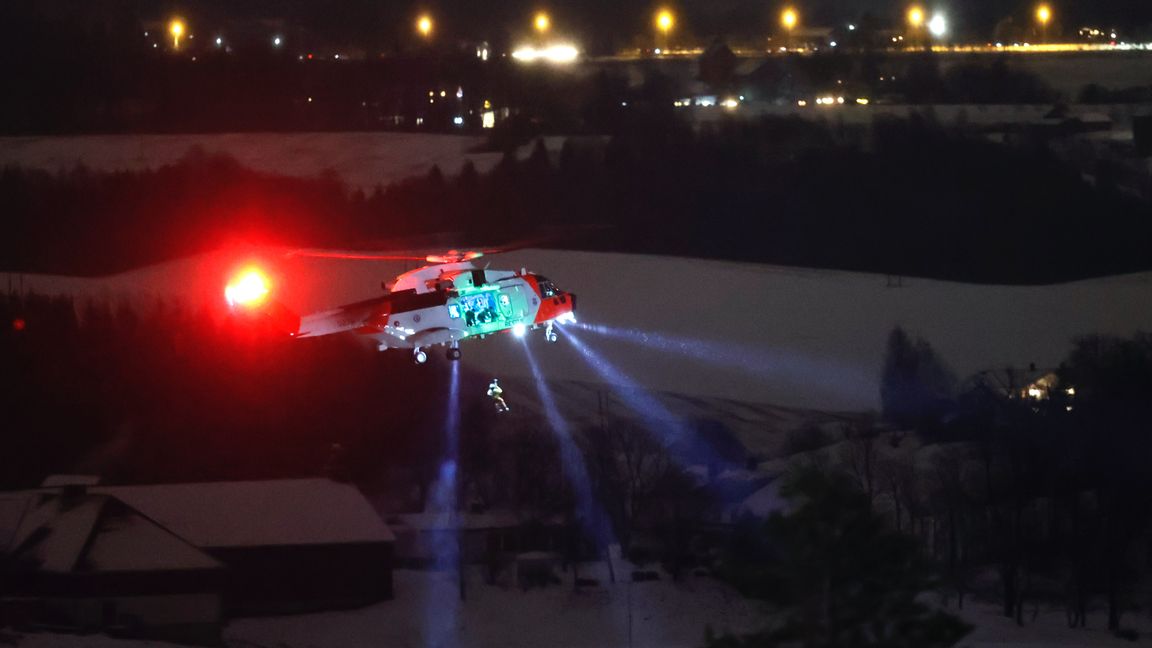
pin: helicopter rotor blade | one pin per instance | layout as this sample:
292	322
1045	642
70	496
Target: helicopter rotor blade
352	255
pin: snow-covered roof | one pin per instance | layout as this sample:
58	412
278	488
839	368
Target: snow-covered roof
86	533
258	513
127	541
765	501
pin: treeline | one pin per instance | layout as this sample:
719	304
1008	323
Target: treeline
1027	489
903	197
163	394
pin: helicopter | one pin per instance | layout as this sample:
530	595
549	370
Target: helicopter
447	301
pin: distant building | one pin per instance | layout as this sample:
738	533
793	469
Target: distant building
170	561
482	537
72	560
290	545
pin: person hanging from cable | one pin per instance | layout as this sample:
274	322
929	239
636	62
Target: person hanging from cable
497	396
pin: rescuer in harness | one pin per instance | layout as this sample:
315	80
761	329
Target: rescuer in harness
497	396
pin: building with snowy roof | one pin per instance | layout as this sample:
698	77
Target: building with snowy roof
92	557
290	545
79	561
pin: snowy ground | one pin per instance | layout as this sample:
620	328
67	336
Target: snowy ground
427	613
362	160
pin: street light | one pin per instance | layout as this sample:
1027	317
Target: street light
664	21
424	25
916	17
915	21
542	22
789	19
176	29
1044	16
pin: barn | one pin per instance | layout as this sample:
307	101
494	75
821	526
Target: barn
76	561
290	545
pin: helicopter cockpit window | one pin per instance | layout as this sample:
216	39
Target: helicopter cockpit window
547	288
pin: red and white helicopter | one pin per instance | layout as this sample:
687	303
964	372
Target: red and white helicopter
443	303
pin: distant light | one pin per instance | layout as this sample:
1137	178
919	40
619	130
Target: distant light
657	51
557	53
276	41
730	103
443	93
840	100
459	121
424	25
19	324
459	93
938	26
176	30
519	330
862	101
833	44
789	18
219	41
1044	14
542	22
309	99
802	103
488	119
665	20
249	289
851	27
915	17
419	121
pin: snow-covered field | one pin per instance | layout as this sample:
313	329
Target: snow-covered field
427	613
361	160
812	339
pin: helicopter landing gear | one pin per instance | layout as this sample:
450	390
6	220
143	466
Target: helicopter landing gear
550	333
454	352
420	356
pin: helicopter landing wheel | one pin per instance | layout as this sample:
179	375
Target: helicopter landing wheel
420	356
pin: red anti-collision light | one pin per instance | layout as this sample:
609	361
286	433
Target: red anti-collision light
250	288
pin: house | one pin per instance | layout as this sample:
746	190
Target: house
480	536
289	545
78	561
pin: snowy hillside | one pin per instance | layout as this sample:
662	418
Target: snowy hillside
791	337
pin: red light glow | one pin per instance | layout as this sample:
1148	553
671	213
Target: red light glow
19	324
250	288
